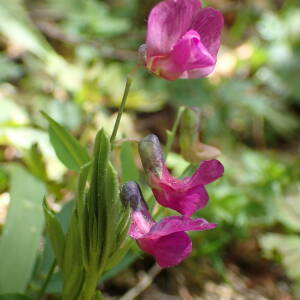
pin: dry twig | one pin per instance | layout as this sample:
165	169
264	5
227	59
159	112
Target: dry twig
146	280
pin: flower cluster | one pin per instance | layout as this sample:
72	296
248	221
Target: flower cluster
166	240
183	40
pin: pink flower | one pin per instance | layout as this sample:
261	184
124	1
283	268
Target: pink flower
183	39
165	240
185	195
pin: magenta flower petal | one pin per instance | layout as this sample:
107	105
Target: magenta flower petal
176	224
188	54
168	21
209	24
176	195
140	225
189	194
182	39
168	250
208	171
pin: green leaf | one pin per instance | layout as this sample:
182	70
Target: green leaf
14	297
115	259
96	203
128	167
72	267
55	233
22	232
111	212
66	147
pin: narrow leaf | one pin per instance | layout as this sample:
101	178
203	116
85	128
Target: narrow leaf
111	212
55	233
22	232
66	147
72	267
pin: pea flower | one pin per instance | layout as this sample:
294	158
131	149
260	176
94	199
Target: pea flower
166	240
185	195
183	39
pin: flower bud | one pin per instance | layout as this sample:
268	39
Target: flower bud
131	194
151	154
189	128
190	146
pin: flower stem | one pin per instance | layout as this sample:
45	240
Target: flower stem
121	109
171	134
45	284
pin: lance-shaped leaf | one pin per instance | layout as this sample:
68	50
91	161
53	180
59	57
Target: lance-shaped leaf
95	202
55	233
82	211
72	266
112	205
21	235
66	147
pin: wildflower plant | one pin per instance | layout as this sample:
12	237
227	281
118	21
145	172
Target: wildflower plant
182	42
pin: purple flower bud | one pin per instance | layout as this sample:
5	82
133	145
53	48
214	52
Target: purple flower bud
131	194
151	154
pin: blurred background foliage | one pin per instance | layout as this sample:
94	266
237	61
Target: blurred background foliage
70	59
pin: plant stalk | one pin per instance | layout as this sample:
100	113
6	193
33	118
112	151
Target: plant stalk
121	109
89	286
171	134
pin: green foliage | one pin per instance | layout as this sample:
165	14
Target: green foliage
21	236
14	297
67	148
105	221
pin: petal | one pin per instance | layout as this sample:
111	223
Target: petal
168	250
209	23
185	201
197	73
172	249
193	199
167	23
189	53
140	225
209	171
174	224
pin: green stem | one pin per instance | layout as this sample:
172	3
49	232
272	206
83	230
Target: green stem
45	284
121	109
171	134
89	286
